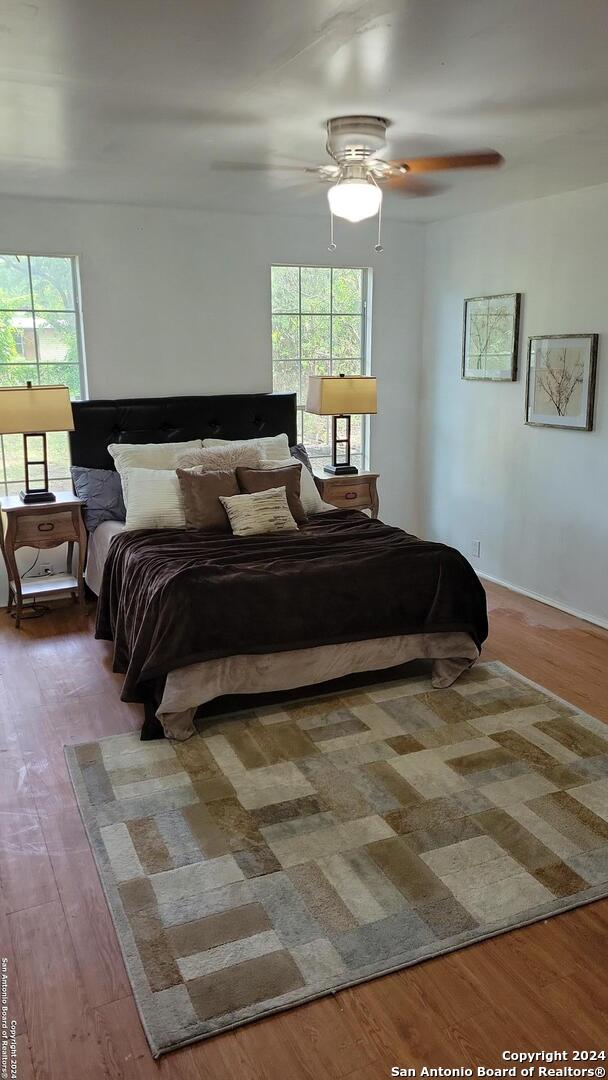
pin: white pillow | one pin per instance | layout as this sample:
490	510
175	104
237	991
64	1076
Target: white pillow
271	446
259	512
147	456
312	502
155	500
228	456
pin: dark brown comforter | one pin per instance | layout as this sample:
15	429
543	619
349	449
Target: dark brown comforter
173	597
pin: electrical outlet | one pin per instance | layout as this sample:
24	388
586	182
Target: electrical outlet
476	548
45	570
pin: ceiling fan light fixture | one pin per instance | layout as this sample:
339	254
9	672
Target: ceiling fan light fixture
354	199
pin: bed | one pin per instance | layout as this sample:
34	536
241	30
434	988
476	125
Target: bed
194	616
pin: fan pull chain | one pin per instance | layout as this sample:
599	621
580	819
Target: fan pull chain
378	247
332	245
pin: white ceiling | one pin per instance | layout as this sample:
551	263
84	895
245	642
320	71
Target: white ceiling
135	100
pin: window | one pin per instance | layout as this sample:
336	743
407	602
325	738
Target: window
319	327
40	341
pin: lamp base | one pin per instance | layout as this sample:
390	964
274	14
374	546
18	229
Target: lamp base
37	496
341	470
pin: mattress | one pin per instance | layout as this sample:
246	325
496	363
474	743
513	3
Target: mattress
99	543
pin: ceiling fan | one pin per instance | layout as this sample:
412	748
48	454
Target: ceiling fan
358	174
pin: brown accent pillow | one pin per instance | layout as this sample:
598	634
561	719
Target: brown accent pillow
201	490
252	480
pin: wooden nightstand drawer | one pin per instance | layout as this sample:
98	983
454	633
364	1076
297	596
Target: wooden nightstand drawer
352	495
43	530
356	492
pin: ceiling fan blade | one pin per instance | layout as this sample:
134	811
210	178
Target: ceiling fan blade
483	159
254	166
412	186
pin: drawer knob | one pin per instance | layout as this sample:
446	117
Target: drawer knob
46	526
350	495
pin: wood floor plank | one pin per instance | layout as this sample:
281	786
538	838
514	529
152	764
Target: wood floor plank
542	986
15	1008
25	1068
86	911
59	1021
25	869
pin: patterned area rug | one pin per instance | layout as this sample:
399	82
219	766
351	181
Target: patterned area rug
284	853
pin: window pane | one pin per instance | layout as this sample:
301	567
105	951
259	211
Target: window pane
52	283
57	341
356	434
316	340
58	451
17	337
13	457
285	337
14	282
316	434
285	288
316	288
346	367
346	340
18	374
346	291
286	376
311	367
61	375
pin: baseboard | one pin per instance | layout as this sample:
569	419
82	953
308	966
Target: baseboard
584	615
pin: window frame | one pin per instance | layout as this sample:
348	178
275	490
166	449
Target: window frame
366	334
33	310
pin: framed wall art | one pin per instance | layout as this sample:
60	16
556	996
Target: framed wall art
560	384
490	339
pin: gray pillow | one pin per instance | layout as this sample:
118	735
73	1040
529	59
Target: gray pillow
101	490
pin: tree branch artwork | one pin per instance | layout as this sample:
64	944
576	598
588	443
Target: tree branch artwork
560	377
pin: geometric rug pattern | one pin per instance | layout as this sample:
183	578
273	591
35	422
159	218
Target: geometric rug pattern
285	852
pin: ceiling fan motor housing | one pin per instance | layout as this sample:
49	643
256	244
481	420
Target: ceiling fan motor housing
356	138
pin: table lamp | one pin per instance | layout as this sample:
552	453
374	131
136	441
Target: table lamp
339	396
31	411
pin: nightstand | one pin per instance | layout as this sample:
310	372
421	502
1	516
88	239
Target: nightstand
355	492
42	525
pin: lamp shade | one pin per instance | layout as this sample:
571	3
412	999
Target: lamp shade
28	410
341	395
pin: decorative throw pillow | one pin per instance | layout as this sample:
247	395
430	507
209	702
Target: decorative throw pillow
147	456
309	495
251	480
223	458
155	500
201	490
300	453
101	490
261	512
270	446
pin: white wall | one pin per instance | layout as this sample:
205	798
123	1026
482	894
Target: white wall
178	302
536	498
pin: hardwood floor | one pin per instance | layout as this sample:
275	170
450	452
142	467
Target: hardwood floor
542	987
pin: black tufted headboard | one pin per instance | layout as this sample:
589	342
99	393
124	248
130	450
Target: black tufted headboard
176	419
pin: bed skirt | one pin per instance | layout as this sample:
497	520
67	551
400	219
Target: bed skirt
188	687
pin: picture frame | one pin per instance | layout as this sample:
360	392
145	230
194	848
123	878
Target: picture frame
490	337
560	381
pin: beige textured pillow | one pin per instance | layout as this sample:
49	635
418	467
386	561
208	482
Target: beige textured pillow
270	446
201	490
221	458
260	512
